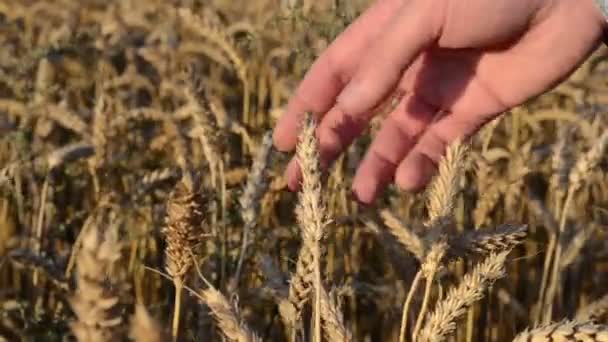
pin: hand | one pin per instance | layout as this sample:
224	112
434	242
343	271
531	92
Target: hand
457	63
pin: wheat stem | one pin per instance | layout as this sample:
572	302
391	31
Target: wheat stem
40	224
407	303
555	275
178	284
425	303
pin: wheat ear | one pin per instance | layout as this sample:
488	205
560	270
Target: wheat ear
333	320
582	168
441	197
254	189
144	328
444	188
567	331
183	233
405	236
95	302
484	242
227	317
442	321
311	212
593	311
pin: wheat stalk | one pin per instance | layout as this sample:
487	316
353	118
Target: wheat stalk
428	269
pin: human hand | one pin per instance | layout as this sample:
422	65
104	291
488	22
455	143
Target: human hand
458	64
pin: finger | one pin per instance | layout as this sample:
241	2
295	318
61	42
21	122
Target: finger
420	164
395	139
415	27
323	82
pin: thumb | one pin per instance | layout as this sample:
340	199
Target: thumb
415	27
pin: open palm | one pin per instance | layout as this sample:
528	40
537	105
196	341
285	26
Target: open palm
455	65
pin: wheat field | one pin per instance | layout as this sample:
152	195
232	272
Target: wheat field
141	198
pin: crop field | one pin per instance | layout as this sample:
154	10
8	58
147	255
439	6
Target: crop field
141	198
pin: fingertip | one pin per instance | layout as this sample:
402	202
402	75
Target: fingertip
293	175
285	134
370	179
365	189
279	141
415	172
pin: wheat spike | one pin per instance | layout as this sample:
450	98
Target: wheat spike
250	200
99	130
574	248
487	201
144	328
95	303
311	212
65	118
566	331
184	229
300	286
588	162
180	150
593	311
483	242
561	159
227	317
442	321
69	153
406	237
333	321
208	30
256	181
444	188
204	125
184	234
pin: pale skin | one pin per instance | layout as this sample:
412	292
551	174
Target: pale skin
455	64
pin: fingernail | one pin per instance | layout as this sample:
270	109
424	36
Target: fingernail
292	173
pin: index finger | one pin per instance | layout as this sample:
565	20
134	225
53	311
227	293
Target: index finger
331	71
